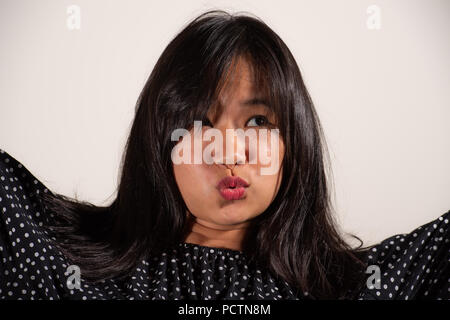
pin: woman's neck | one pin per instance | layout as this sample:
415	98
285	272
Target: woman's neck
206	235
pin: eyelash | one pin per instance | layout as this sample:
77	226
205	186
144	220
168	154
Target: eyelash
266	121
206	121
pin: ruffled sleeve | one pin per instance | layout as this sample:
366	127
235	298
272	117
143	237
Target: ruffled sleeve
409	266
30	267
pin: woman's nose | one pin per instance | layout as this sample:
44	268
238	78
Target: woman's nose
234	151
231	161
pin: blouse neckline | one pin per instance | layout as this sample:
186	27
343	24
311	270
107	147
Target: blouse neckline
211	249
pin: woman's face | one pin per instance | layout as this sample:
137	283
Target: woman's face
198	182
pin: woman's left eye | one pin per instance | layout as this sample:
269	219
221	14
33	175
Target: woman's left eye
257	121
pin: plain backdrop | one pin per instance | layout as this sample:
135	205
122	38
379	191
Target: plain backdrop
67	97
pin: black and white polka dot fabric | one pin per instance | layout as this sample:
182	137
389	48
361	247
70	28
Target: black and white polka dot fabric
410	266
414	265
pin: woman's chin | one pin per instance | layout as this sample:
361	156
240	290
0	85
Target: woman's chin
232	218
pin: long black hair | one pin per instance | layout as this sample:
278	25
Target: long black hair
296	237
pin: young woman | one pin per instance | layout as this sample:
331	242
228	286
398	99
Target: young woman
211	230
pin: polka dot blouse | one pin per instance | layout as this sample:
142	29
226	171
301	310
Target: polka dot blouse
407	266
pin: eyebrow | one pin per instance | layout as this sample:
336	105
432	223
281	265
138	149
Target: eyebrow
255	101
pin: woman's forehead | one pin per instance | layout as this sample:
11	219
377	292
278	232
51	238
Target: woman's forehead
239	86
237	77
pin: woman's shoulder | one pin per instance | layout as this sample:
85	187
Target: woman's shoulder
411	265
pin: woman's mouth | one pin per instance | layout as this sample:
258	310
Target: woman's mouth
232	187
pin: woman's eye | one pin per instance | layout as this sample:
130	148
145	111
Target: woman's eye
257	121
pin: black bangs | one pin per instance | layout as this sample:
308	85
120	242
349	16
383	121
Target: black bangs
260	85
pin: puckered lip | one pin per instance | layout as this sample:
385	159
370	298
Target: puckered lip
232	182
